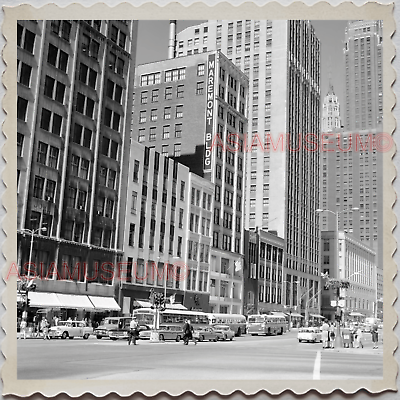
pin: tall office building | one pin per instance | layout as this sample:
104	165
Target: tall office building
282	61
330	112
352	174
75	84
363	74
194	109
352	177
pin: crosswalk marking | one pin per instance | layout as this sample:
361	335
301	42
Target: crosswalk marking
317	366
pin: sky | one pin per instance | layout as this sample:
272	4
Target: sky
153	46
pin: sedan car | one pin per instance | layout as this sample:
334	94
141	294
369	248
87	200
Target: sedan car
170	332
70	329
144	332
205	333
224	332
310	334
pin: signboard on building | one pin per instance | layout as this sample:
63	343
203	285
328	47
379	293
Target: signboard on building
210	99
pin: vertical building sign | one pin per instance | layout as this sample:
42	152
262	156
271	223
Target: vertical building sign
209	112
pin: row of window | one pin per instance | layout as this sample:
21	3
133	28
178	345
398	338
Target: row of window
195	199
167	114
201	249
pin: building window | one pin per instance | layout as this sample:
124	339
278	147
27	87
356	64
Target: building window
51	122
180	91
25	38
152	136
154	95
199	88
168	93
57	58
177	150
178	130
200	69
24	73
179	111
153	115
150	79
22	108
166	132
175	74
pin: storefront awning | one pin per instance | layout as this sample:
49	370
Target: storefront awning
316	316
278	314
176	307
44	300
74	301
296	315
104	303
142	303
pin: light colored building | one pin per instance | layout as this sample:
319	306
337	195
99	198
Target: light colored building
330	112
75	84
194	109
363	75
282	61
352	177
168	240
353	262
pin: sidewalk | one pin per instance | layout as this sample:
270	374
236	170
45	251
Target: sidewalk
352	350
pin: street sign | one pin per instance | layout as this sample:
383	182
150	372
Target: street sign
333	303
342	303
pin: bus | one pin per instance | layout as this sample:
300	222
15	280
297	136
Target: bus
236	322
264	324
146	316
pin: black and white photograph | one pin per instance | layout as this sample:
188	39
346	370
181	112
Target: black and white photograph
202	200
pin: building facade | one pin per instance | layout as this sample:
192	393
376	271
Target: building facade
282	61
363	75
345	258
352	176
168	240
194	109
330	112
75	83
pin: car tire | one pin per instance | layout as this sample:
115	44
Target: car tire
113	338
299	340
215	340
70	337
254	334
99	336
161	337
64	335
231	339
178	338
239	332
86	336
225	337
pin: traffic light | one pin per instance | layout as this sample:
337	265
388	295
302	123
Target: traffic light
28	302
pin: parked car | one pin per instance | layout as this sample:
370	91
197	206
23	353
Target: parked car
170	332
70	329
224	332
310	334
205	333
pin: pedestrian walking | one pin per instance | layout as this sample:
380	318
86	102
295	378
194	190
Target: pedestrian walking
45	329
22	328
332	336
374	333
133	333
188	333
325	334
359	338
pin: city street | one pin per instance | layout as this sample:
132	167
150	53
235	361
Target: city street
247	357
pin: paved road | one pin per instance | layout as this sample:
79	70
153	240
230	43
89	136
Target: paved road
247	357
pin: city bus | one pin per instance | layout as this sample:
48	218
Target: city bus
146	316
236	322
264	324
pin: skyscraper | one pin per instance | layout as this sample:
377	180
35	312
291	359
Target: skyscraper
75	84
363	75
282	61
330	112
